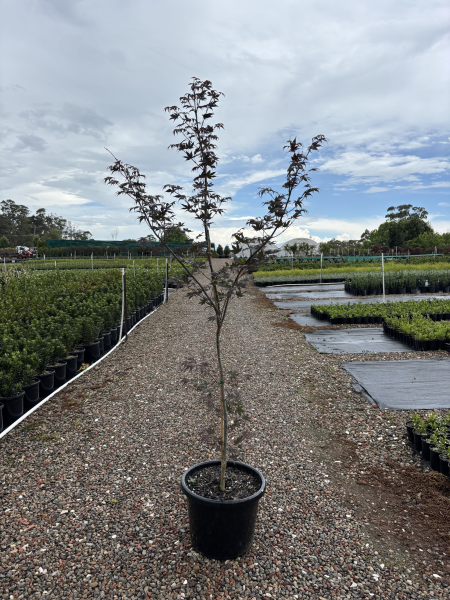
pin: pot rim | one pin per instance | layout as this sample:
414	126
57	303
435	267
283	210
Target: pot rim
33	383
16	397
226	503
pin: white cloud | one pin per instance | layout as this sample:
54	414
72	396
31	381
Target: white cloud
367	75
233	184
443	203
363	166
376	190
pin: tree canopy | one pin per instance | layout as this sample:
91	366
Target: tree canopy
20	226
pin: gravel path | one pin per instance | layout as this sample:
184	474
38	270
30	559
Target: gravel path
91	505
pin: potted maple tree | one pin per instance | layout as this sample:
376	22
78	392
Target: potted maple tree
223	494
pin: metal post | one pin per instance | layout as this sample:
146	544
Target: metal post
134	268
382	277
92	261
321	258
55	264
123	321
44	257
75	255
166	295
4	264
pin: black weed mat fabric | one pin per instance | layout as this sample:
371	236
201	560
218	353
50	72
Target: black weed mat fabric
301	288
308	294
306	318
405	384
355	341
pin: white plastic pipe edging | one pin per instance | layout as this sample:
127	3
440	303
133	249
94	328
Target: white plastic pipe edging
29	412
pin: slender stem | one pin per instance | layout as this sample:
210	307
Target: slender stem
224	416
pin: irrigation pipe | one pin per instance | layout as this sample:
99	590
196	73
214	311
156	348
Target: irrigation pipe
29	412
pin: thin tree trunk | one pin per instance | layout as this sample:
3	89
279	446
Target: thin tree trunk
224	417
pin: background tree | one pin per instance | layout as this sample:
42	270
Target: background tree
220	251
215	289
227	251
175	234
292	249
4	242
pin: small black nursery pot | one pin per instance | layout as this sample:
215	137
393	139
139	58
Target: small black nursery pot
222	529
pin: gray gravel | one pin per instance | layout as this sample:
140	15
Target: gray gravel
90	483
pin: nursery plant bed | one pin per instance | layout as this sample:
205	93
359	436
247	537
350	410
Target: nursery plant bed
354	341
305	304
405	385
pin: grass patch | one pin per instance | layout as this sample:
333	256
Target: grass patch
48	437
32	425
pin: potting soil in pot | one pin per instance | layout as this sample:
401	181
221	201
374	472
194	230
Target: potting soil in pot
239	484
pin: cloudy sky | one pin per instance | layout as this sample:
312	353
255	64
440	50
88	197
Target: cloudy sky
373	77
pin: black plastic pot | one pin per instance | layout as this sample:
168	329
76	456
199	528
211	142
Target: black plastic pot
422	344
435	462
431	289
222	529
46	384
60	373
31	397
71	366
92	352
410	431
444	464
357	320
1	416
114	336
425	448
365	320
12	409
378	320
102	345
107	341
79	353
401	290
414	290
418	441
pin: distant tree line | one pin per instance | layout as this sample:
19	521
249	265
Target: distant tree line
405	230
19	227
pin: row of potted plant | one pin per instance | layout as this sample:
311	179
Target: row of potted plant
53	322
419	332
358	312
401	282
68	264
431	438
